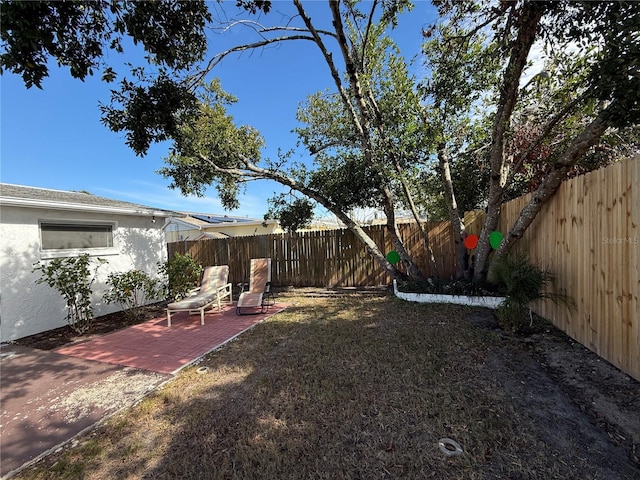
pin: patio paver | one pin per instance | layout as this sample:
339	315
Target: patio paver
48	397
155	347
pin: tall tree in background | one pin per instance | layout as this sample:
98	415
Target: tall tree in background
598	90
378	172
362	134
370	136
463	66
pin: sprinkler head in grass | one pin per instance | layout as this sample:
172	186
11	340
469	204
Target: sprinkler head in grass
449	447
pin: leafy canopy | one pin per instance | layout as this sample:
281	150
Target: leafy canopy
210	149
78	34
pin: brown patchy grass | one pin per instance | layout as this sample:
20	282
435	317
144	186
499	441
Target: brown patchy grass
350	387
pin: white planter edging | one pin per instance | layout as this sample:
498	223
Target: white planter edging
489	302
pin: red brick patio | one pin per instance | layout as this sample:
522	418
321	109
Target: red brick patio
154	346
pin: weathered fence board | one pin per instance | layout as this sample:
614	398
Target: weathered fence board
326	258
588	234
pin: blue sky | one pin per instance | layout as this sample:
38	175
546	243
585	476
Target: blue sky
53	138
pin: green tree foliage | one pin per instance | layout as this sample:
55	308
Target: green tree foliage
353	173
210	149
73	278
543	131
293	213
78	34
183	274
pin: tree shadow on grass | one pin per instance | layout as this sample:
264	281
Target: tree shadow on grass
359	388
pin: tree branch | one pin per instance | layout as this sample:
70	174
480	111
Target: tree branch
578	147
261	29
550	125
329	60
255	172
352	73
217	58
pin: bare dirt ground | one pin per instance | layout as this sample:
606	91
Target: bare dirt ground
561	375
563	390
102	325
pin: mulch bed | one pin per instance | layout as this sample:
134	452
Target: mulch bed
102	325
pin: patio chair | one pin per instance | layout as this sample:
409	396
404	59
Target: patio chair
258	292
213	289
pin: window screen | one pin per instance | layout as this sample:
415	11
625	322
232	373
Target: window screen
59	236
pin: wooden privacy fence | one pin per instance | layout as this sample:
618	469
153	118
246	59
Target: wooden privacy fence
326	258
588	235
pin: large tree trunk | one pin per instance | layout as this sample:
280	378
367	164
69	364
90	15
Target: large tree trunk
527	25
363	123
396	241
371	247
454	215
587	138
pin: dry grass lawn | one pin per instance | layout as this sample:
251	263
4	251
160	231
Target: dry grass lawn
353	387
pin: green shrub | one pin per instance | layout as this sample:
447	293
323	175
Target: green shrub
73	278
522	283
183	274
513	315
132	290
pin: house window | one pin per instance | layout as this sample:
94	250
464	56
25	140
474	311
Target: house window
60	236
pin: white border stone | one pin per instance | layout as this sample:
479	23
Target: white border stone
489	302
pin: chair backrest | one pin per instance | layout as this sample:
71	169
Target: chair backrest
260	275
214	277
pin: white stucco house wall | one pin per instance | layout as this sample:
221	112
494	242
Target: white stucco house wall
38	224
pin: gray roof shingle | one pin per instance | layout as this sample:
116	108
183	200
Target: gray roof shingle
36	196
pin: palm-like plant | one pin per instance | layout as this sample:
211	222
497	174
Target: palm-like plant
522	283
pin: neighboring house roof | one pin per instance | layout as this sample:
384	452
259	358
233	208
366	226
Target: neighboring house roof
373	218
202	221
216	219
208	235
36	197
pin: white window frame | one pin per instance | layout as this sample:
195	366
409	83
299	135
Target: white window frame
73	252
